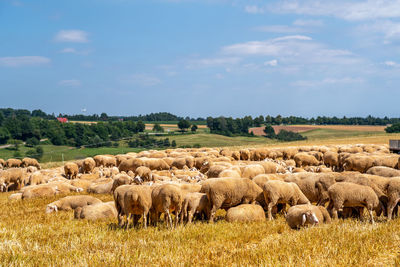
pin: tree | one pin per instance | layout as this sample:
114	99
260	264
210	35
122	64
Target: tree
183	125
103	116
194	128
157	128
31	142
140	126
173	143
269	131
4	135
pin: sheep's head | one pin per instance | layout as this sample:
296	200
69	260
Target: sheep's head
138	180
309	217
50	208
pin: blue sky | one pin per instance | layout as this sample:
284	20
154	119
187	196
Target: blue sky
201	57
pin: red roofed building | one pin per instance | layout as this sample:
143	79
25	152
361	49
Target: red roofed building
62	120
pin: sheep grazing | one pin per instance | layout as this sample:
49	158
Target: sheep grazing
383	171
119	194
27	162
137	202
71	170
71	203
281	192
245	213
166	198
99	211
302	215
143	174
393	193
229	192
195	203
344	194
13	176
39	191
121	179
88	165
13	163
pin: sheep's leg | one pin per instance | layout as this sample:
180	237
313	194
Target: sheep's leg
270	205
190	216
120	220
334	213
212	214
371	215
145	219
390	208
128	219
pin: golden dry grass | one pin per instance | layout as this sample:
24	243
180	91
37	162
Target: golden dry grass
30	237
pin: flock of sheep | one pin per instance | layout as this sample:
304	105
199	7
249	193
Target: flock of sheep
318	182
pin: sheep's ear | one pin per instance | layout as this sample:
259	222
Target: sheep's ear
303	220
55	208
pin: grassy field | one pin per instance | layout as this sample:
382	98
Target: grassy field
29	237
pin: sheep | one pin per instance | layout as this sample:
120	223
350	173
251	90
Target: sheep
88	165
85	184
119	180
245	213
71	203
307	185
13	163
130	164
2	163
101	188
272	167
252	170
13	176
15	196
331	159
119	202
105	161
281	192
144	174
302	215
195	203
358	163
344	194
166	198
71	170
36	178
303	159
99	211
137	201
383	171
234	173
39	191
393	193
229	192
215	170
27	162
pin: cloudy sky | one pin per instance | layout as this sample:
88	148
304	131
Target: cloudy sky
202	57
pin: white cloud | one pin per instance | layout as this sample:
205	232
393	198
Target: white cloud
141	79
272	63
212	62
348	10
392	64
279	29
72	36
68	50
70	83
308	23
23	61
389	30
254	9
326	81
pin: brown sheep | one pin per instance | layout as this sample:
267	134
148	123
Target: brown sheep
88	165
119	194
383	171
234	173
100	188
331	159
390	161
358	163
130	164
36	178
307	185
2	163
252	170
121	179
12	178
195	203
281	192
393	193
303	159
244	154
26	162
40	191
215	170
344	194
99	211
229	192
85	184
245	213
166	198
71	170
272	167
105	161
71	203
143	174
301	215
13	163
137	201
155	164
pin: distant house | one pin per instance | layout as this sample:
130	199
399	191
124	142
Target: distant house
62	120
